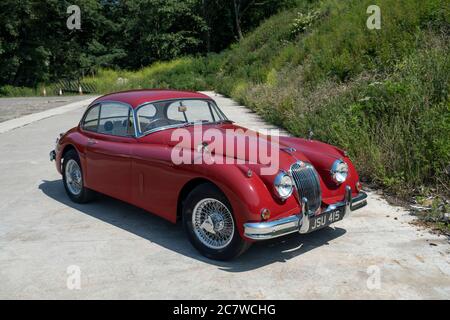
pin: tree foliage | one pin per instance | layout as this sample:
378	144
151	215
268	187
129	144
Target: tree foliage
36	46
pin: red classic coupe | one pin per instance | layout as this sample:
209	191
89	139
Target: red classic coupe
143	147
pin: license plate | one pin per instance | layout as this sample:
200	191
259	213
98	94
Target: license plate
319	222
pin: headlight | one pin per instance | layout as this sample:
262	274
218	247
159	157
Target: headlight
284	186
339	171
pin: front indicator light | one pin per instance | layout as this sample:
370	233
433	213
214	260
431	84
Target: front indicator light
265	214
358	186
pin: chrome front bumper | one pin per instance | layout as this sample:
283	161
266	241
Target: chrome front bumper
300	223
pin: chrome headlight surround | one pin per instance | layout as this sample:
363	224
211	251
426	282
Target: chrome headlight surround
283	185
339	171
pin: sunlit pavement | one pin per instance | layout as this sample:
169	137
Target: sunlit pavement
120	251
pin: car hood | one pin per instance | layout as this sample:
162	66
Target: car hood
252	148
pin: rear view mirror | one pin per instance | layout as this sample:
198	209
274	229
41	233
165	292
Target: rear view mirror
182	109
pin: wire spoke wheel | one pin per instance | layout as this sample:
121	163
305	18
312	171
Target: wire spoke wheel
213	223
74	179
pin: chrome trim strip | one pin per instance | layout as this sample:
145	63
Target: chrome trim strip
300	223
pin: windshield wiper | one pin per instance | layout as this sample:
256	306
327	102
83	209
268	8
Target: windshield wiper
193	123
223	121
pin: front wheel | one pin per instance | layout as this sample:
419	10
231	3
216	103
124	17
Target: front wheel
210	225
73	178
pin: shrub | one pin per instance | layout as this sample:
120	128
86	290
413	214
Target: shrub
303	22
381	94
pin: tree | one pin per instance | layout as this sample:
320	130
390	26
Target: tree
36	46
152	30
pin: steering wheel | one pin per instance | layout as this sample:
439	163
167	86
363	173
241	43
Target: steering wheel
153	122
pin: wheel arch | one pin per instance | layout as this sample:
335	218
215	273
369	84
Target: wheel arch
187	188
61	154
67	148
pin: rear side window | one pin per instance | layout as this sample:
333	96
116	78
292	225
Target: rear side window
116	119
90	122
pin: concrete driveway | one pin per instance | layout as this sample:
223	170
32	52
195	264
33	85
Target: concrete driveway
121	252
11	108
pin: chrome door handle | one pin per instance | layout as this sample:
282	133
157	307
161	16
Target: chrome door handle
91	142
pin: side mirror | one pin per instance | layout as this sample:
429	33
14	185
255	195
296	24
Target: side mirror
310	134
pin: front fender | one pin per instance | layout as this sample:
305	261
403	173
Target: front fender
248	195
322	156
73	139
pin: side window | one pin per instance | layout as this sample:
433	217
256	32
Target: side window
146	116
116	119
90	122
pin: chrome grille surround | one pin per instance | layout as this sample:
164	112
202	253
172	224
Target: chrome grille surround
307	184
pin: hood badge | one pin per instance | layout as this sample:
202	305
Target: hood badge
289	150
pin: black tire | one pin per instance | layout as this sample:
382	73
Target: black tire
237	245
85	195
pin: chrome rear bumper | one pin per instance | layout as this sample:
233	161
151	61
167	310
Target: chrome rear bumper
300	223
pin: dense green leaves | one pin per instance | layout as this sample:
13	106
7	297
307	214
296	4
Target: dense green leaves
36	46
382	95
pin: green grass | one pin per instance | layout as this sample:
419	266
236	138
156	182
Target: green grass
383	95
183	73
11	91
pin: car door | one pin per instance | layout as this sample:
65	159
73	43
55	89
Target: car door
154	176
109	149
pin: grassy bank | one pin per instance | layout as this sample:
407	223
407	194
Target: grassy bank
383	95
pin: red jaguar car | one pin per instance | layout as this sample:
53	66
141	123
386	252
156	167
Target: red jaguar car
144	147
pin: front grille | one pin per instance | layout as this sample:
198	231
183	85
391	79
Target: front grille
308	185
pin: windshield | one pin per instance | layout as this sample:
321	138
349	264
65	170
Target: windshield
174	113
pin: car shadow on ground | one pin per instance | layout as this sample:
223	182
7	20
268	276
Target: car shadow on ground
172	237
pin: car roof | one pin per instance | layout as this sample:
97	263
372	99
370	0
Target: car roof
136	98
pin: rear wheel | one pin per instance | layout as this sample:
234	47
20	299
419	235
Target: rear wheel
210	225
73	178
